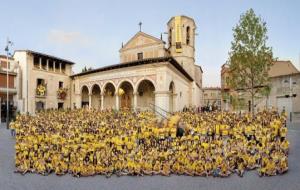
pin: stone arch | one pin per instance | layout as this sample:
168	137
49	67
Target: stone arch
84	93
109	91
107	82
96	96
83	86
145	94
171	97
126	99
125	80
142	79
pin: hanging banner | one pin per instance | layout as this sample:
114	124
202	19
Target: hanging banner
178	36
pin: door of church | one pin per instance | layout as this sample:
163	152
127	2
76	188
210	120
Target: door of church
126	101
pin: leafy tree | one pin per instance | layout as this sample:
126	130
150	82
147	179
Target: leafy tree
85	69
250	58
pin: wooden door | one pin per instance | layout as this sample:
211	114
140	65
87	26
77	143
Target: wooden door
126	101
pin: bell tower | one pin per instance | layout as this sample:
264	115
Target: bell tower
181	42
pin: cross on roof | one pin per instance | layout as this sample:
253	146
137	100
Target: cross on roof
140	24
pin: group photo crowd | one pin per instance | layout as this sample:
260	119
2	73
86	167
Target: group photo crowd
87	142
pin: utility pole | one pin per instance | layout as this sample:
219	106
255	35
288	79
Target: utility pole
8	43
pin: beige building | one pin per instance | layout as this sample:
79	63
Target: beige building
285	89
212	97
284	95
41	77
152	74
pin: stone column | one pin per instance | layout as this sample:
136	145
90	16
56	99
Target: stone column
90	101
162	102
117	101
60	67
102	101
135	100
40	63
47	67
53	66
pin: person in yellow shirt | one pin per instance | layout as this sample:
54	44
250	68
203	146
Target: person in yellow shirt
157	168
270	167
148	169
285	146
199	168
283	133
240	169
208	168
217	130
166	169
224	170
282	166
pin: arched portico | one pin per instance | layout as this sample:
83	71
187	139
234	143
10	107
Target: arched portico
84	96
96	96
171	97
109	93
145	94
125	93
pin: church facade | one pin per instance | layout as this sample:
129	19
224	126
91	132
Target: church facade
152	74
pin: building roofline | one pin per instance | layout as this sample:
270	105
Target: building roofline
211	88
4	57
157	60
183	16
141	33
291	74
200	68
46	55
290	64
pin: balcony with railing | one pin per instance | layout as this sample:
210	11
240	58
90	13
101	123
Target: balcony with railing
41	91
62	93
283	91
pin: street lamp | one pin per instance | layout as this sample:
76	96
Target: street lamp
8	44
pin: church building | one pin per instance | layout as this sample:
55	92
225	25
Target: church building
152	74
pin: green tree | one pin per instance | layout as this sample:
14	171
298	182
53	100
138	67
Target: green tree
250	58
85	69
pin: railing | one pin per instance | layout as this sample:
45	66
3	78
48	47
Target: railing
155	108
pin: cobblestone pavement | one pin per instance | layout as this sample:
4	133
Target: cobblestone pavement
11	181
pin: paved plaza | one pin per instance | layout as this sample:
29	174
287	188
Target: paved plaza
11	181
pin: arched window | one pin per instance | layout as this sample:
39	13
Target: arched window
170	37
187	35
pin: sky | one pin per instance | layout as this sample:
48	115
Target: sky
90	33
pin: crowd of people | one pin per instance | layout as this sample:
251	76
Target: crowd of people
85	142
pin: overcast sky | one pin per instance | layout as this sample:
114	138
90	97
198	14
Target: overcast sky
90	33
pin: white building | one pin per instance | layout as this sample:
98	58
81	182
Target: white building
151	74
